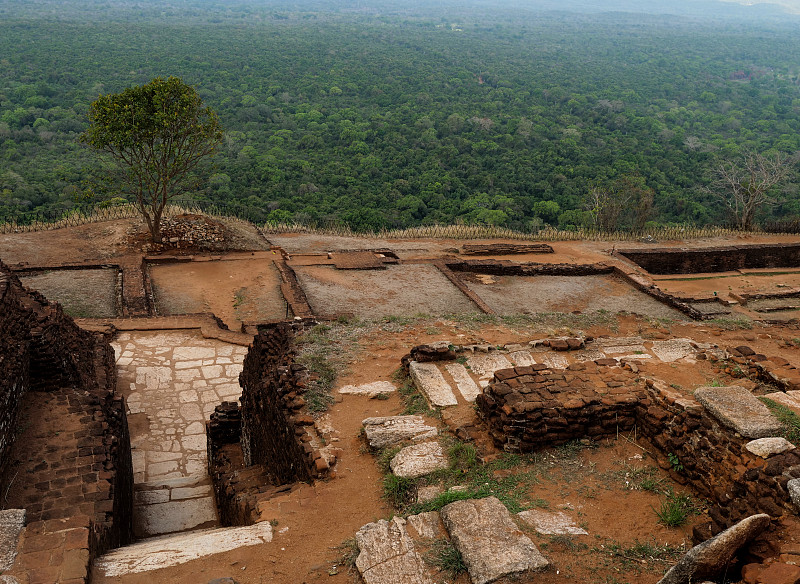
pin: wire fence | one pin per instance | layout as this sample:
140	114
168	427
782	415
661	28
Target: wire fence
56	218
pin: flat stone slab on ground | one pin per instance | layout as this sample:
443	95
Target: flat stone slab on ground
466	386
173	516
389	430
12	522
490	543
370	389
521	358
430	381
427	525
419	460
766	447
619	341
673	349
549	523
163	552
387	554
484	365
555	360
735	407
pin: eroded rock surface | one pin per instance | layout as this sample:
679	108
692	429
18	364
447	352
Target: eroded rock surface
387	554
389	430
766	447
12	522
419	460
709	559
489	541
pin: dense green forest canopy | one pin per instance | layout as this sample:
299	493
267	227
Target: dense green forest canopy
399	117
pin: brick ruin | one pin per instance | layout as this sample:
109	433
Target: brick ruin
527	408
270	442
77	485
714	259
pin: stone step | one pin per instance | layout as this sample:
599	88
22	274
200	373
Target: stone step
389	430
490	543
430	381
466	386
736	408
163	552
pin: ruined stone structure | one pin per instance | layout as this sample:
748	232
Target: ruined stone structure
714	259
271	440
64	446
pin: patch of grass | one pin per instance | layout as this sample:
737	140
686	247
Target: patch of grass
348	553
398	491
239	297
676	509
789	420
385	456
651	552
444	556
414	402
731	323
568	542
641	478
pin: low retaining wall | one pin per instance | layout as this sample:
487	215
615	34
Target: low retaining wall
714	259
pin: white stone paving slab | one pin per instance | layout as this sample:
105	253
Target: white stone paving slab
521	358
172	516
419	460
466	386
673	349
387	554
554	360
485	364
163	552
175	379
588	355
430	381
616	350
369	389
551	523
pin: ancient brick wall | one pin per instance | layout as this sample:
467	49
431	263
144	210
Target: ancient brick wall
527	408
715	259
531	407
271	442
714	460
69	465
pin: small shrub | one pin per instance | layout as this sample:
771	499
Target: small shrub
676	509
446	557
398	491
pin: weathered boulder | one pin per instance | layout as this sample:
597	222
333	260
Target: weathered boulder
710	558
793	486
736	408
766	447
389	430
419	460
387	554
12	522
490	543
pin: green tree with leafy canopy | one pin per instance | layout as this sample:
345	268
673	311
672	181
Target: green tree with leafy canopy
157	134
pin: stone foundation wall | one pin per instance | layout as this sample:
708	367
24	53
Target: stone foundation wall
715	259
